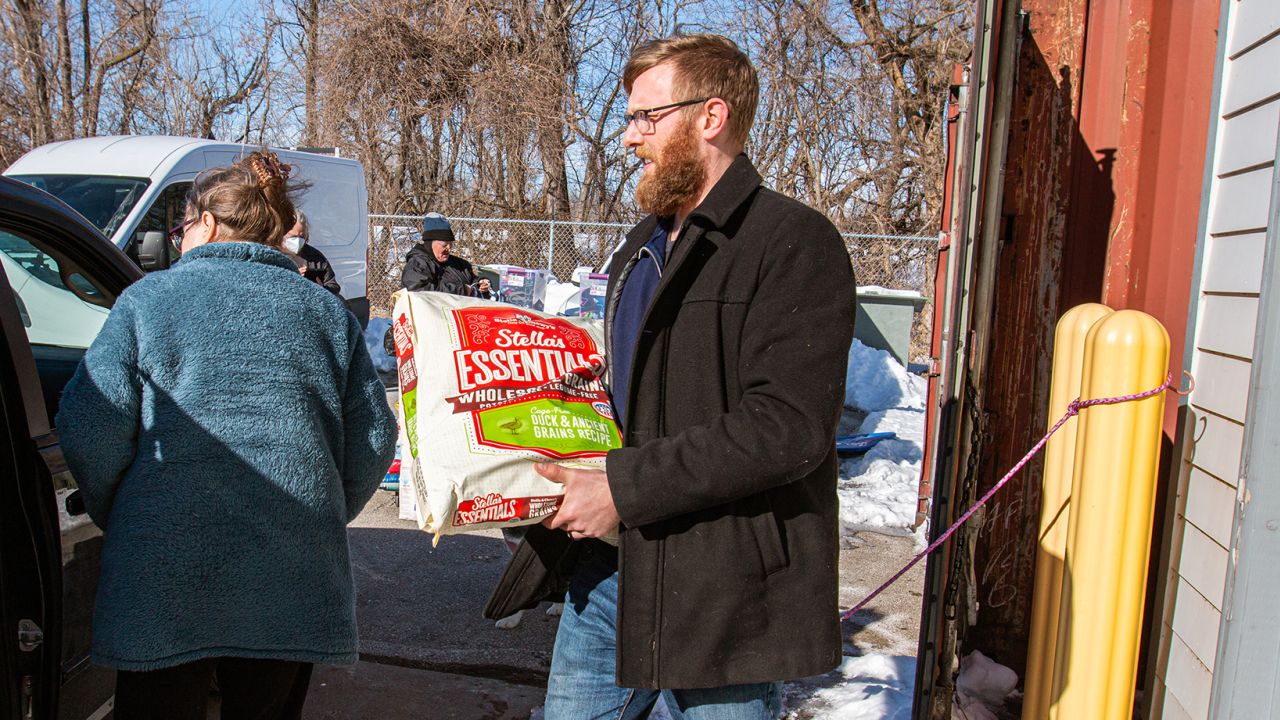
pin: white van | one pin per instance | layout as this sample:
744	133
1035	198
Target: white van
134	189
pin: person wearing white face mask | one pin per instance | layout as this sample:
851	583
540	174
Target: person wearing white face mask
315	266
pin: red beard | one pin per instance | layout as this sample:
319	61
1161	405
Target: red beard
676	177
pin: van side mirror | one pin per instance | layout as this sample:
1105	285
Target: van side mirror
153	251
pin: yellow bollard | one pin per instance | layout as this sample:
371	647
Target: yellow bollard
1059	458
1109	531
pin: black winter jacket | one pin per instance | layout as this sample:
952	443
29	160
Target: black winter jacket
726	484
318	269
423	272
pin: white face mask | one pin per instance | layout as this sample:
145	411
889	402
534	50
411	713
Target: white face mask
293	243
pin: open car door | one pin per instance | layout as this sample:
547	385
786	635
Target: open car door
63	277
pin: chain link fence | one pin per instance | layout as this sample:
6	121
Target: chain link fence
896	262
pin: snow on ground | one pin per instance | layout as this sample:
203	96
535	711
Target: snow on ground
876	381
879	490
872	687
880	687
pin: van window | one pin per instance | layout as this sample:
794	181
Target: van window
166	212
103	201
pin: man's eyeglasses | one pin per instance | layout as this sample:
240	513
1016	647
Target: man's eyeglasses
177	231
644	119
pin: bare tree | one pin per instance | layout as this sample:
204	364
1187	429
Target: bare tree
505	107
851	112
57	91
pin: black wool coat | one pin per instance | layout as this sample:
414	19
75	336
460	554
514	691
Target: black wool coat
726	483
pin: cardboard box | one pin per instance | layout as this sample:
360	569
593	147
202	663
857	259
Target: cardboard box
591	297
522	287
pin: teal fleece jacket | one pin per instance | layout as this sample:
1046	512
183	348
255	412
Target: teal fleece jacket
224	428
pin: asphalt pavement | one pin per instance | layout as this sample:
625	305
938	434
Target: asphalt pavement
421	606
425	649
426	652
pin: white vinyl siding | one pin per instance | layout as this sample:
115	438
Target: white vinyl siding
1228	323
1251	75
1188	680
1240	147
1222	384
1242	161
1217	447
1232	262
1200	637
1252	21
1210	506
1240	203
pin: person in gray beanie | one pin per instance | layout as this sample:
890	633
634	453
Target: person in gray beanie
431	264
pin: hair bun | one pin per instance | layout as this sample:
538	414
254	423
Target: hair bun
267	167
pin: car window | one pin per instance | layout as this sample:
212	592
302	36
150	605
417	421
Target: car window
59	305
104	201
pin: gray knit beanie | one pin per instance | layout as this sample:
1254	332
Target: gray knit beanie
436	227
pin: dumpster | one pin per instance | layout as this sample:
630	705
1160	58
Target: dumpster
884	319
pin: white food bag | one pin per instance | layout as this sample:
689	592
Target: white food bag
488	389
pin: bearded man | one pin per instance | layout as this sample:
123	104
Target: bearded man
728	322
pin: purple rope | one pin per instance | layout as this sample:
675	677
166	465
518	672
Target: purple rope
1074	408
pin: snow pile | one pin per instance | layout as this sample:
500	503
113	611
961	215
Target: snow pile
983	684
879	490
868	687
871	687
876	381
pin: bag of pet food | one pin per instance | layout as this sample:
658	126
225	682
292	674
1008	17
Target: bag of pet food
488	389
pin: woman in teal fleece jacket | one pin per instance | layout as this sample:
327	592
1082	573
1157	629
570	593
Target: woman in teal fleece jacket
224	428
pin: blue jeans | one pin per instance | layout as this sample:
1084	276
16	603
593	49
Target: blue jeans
583	684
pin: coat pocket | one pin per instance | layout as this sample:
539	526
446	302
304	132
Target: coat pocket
770	540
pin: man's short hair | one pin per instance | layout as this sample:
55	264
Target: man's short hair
705	66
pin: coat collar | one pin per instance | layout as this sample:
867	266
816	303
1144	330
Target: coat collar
244	251
733	189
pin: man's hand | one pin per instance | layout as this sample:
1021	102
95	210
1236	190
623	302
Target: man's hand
587	510
483	285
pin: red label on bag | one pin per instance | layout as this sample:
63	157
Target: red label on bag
508	349
405	364
495	508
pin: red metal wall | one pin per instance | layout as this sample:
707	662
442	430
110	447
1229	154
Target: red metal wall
1100	203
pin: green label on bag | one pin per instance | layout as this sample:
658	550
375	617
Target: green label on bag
531	382
553	427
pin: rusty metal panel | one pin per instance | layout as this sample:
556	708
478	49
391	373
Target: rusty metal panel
1101	195
1044	153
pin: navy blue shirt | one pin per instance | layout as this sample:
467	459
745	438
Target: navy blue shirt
637	295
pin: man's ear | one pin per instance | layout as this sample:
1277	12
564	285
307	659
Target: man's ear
715	118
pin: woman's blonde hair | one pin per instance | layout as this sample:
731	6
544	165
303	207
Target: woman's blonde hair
252	200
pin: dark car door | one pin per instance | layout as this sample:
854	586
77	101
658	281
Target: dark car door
63	277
